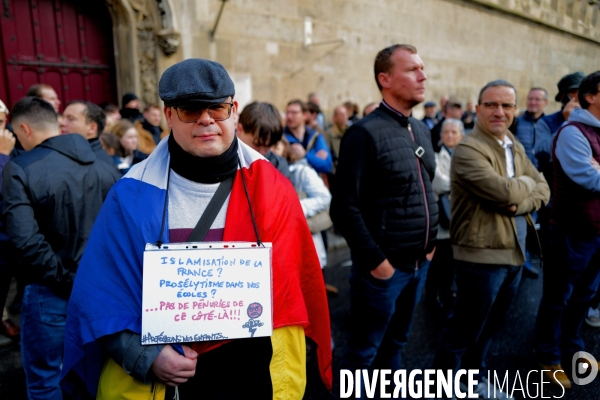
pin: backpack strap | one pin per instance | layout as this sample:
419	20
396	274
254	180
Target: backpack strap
312	141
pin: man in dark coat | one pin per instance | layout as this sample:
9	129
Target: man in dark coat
51	196
384	206
88	120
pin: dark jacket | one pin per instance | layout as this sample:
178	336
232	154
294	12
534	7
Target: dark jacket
383	203
280	163
51	196
138	157
545	130
102	155
436	135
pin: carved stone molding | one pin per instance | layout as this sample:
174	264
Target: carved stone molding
141	28
146	23
169	41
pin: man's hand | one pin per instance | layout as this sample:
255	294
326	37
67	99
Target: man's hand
322	154
429	256
7	142
297	150
572	104
511	209
172	368
383	271
528	181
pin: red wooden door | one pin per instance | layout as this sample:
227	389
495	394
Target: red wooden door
67	44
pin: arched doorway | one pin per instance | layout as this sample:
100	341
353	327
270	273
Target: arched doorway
67	44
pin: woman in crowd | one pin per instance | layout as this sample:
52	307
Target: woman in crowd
127	154
441	271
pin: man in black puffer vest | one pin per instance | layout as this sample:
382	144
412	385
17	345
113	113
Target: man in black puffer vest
384	206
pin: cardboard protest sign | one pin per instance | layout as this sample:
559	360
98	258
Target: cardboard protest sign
206	291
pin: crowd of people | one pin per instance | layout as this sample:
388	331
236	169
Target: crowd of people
454	205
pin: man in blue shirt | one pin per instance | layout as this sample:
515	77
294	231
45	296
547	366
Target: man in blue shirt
537	100
526	132
313	143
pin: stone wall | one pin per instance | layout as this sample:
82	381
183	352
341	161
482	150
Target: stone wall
464	44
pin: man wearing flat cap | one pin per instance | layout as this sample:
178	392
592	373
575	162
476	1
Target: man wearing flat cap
430	118
568	87
161	200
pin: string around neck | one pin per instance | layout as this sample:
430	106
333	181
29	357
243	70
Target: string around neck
258	241
159	242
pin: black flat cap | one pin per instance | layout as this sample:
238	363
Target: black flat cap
429	104
568	83
195	81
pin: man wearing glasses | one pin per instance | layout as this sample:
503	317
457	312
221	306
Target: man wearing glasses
160	201
495	187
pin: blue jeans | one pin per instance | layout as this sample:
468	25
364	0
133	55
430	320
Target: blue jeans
42	338
381	312
571	279
483	298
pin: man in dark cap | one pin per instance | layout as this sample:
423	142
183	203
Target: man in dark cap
160	201
568	87
430	118
131	107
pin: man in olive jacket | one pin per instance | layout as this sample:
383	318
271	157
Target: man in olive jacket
494	189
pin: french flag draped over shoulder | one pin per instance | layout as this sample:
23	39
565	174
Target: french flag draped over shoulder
107	294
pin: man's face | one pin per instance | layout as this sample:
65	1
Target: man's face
451	135
309	118
406	79
205	137
430	112
294	117
111	119
136	103
340	117
51	97
454	112
153	116
74	121
497	109
536	101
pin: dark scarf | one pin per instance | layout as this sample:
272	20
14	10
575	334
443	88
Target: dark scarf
155	131
203	169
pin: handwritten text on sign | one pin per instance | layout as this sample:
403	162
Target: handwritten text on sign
206	291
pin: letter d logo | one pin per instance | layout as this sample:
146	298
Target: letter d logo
581	363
